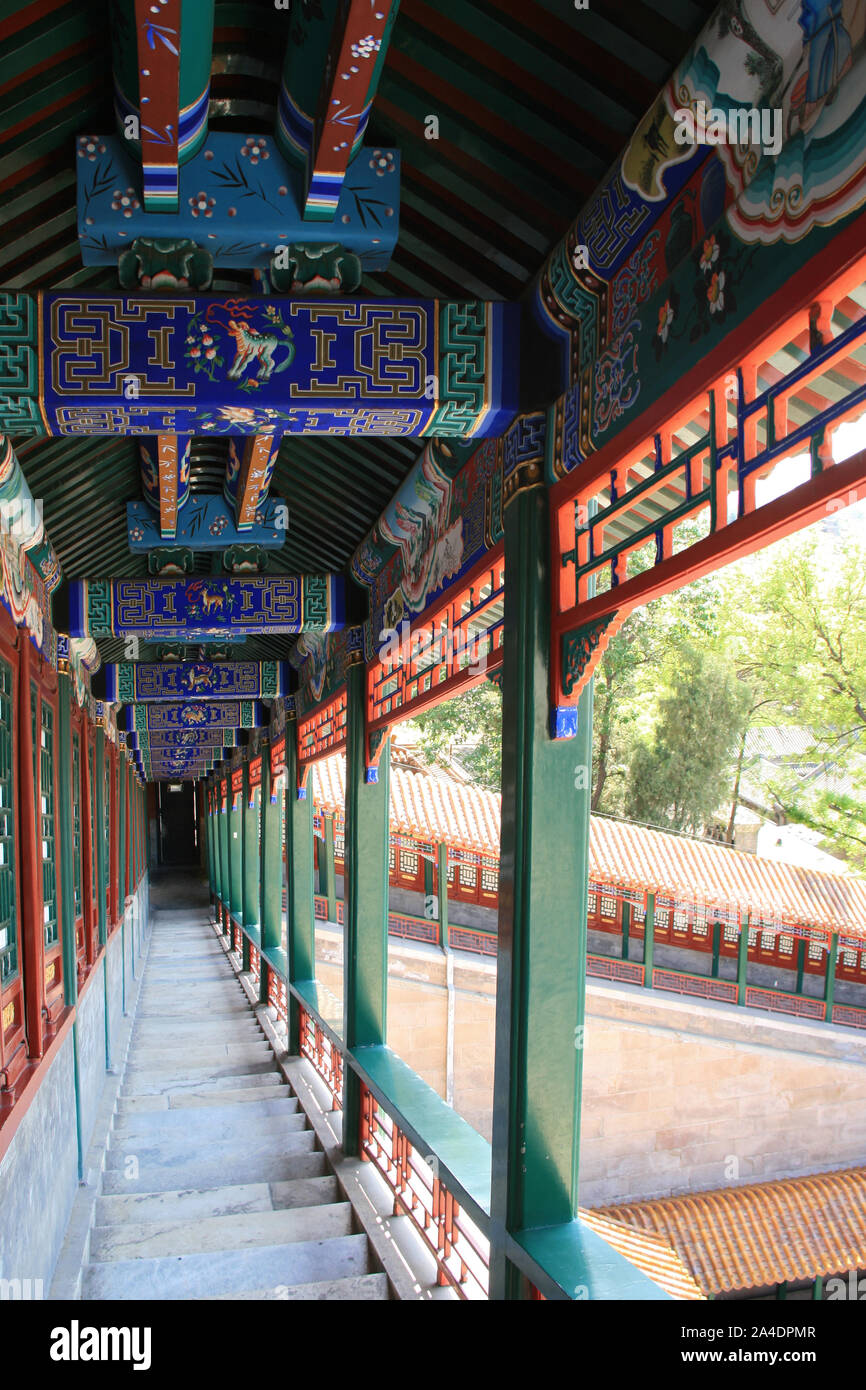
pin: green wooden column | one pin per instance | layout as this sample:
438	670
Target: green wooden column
649	940
67	909
64	838
544	876
801	965
830	977
625	921
251	857
270	872
236	857
365	913
717	948
99	834
442	893
226	856
743	959
301	911
212	852
328	872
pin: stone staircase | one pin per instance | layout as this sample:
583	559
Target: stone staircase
214	1184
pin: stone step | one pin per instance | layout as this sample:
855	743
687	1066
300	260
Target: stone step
227	1012
144	1056
249	1230
154	1032
185	1100
159	1081
363	1288
275	1267
215	1119
159	1147
297	1159
196	1204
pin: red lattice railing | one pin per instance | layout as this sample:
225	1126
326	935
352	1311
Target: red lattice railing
460	1250
784	1003
237	938
850	1017
255	961
412	928
318	1049
483	943
606	968
277	994
698	985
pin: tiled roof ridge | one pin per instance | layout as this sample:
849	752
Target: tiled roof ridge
760	1234
435	808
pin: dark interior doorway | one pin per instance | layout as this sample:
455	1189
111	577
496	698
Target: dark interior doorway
178	829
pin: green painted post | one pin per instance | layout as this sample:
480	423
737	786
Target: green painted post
743	959
67	906
649	940
430	890
541	972
212	846
99	850
329	872
801	965
782	1291
236	857
365	939
226	856
818	1290
121	872
252	859
626	928
442	892
830	977
270	872
717	948
301	911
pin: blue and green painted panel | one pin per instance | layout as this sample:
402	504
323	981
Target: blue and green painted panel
119	365
191	609
222	714
208	523
128	681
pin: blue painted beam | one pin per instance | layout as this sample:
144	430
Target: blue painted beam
208	523
220	714
240	365
131	682
239	200
190	609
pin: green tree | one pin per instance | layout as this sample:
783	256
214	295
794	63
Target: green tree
678	773
804	649
467	727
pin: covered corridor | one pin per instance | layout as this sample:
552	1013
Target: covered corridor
353	357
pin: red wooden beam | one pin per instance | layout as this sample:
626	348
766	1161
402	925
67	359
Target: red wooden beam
814	500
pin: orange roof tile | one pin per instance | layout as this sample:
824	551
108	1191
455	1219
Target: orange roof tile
442	810
650	1253
762	1234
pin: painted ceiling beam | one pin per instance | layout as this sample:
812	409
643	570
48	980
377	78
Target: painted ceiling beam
321	124
239	205
162	60
207	523
165	478
193	714
128	681
128	365
167	740
194	609
248	477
